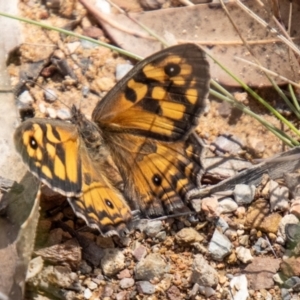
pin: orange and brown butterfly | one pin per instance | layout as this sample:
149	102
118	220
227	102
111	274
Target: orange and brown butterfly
139	152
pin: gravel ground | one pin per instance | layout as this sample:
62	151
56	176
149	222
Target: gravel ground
244	245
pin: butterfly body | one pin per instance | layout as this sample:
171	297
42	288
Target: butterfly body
138	151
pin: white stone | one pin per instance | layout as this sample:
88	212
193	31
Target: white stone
239	287
227	205
122	70
244	254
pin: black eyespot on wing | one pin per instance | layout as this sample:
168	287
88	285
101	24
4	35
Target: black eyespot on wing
130	94
109	204
156	179
33	143
172	69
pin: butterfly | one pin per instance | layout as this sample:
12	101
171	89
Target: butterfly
138	152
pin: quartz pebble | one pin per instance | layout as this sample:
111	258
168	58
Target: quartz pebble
122	70
244	254
25	99
50	95
219	246
227	205
239	287
244	194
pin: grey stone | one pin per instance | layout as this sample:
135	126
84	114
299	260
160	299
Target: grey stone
227	143
112	262
151	266
145	287
206	291
279	197
222	224
292	181
261	246
219	246
84	268
202	273
291	282
285	294
126	283
153	228
244	194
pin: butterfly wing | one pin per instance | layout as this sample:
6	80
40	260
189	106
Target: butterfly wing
56	154
161	97
147	120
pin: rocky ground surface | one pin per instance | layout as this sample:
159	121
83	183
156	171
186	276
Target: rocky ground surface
244	245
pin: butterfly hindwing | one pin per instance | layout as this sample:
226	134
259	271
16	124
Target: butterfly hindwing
161	97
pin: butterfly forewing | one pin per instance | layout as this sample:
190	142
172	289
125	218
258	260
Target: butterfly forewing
50	149
161	98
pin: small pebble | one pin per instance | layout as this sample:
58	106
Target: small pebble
295	207
244	194
203	273
63	114
239	287
51	112
227	205
50	95
122	70
87	294
153	228
145	287
126	283
219	246
206	291
25	99
152	266
244	254
113	261
188	236
227	143
279	197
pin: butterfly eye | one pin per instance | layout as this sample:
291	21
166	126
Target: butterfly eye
109	204
172	69
32	142
156	179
